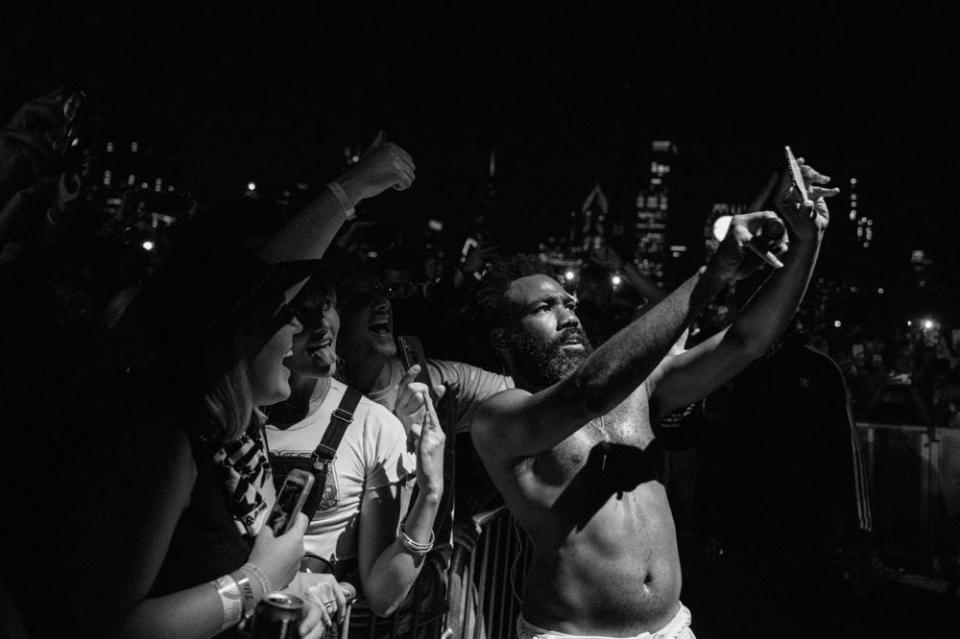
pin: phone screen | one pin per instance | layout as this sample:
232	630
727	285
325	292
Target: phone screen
411	352
796	173
292	496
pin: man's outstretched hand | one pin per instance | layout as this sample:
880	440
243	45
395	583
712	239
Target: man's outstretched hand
809	218
734	259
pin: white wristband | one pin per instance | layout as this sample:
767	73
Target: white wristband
230	600
348	207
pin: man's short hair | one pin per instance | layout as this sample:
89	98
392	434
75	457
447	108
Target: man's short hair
492	295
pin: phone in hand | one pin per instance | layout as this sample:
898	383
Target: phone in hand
293	494
797	174
411	352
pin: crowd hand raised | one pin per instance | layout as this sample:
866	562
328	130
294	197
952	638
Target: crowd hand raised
736	258
409	406
806	218
279	557
429	440
383	165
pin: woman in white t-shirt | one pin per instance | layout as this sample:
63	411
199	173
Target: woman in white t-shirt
356	531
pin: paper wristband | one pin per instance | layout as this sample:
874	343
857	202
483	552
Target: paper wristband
348	208
230	600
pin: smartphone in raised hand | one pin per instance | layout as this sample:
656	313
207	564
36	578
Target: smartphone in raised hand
411	352
797	174
293	494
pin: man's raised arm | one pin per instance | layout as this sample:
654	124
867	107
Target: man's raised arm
524	423
686	378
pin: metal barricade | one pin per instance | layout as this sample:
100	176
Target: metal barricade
490	558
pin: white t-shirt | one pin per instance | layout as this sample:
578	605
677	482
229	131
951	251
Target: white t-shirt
372	454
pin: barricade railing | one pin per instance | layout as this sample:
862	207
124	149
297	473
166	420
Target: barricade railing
485	580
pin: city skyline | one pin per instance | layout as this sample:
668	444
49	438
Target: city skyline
566	96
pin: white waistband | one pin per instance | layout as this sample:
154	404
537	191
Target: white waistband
673	630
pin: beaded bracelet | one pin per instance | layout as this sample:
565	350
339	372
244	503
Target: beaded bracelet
230	600
413	546
348	207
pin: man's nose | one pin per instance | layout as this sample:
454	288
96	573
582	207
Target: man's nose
382	305
567	318
296	324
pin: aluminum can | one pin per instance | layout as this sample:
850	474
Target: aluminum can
278	616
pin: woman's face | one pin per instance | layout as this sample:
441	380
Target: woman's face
315	348
269	377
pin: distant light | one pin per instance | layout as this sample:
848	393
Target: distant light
435	225
147	245
880	291
837	324
251	186
109	147
134	147
354	158
909	323
569	275
75	142
616	279
853	180
928	324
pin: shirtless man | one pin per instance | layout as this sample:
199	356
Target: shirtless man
572	450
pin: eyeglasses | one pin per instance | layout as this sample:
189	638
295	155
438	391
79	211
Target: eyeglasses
362	295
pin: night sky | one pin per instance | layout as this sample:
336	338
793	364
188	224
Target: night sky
567	96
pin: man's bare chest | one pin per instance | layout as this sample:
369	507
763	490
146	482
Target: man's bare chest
604	444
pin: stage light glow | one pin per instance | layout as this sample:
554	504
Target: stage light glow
147	245
616	279
251	186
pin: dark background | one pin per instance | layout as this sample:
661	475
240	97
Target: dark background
566	95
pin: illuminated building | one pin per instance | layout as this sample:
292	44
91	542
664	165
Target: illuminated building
652	213
863	224
589	228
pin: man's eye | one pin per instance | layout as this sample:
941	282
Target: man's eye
542	308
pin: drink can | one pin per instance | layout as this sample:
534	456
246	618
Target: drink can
278	616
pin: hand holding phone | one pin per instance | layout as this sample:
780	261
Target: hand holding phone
410	350
293	494
797	175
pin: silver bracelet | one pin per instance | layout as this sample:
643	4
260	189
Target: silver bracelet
412	546
349	210
230	600
260	576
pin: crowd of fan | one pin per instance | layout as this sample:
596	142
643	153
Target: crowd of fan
136	382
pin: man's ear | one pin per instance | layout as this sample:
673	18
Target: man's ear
498	339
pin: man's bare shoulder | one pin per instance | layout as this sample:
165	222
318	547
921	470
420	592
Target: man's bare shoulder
495	415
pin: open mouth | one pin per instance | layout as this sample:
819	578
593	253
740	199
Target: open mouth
321	350
382	328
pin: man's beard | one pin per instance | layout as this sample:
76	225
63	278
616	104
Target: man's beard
547	362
